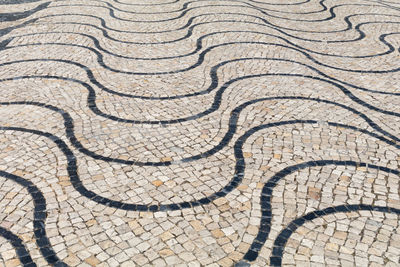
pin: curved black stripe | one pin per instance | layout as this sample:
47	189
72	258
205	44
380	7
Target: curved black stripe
185	10
279	3
39	218
69	124
112	14
91	103
232	184
7	30
20	249
321	4
266	195
385	3
212	73
266	23
188	23
175	1
283	237
21	15
154	4
390	2
200	60
186	36
14	2
346	20
214	84
199	44
185	6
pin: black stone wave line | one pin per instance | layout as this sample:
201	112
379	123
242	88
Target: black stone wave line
106	35
91	99
331	11
186	36
186	5
217	98
20	249
153	4
103	24
39	218
389	2
21	15
112	14
395	8
213	77
266	24
199	43
331	16
346	19
17	2
200	60
280	4
190	33
257	2
91	103
11	28
183	8
233	183
69	128
212	74
175	1
190	21
285	234
266	195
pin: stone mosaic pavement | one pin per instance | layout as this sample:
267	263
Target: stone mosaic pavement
199	133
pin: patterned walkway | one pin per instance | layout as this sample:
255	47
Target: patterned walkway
199	133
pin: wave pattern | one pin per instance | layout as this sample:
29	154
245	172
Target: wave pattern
199	132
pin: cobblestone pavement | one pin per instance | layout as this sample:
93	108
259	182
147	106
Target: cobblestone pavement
199	133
